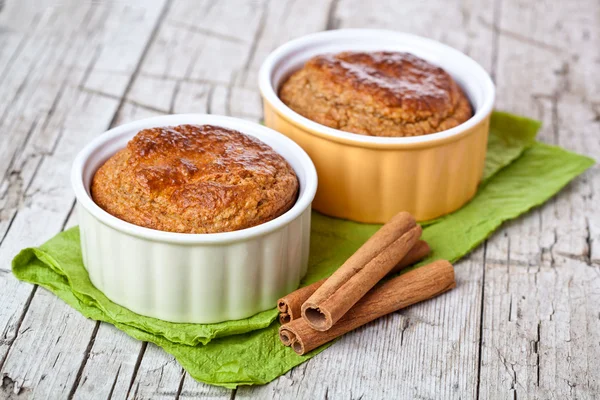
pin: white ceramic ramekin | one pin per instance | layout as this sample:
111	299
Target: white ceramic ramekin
201	278
369	178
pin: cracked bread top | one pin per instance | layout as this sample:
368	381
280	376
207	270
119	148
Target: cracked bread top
380	93
195	179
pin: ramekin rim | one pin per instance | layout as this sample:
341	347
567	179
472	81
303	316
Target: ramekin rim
269	93
303	202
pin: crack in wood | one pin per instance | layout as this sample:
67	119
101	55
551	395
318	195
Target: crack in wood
136	368
10	223
228	100
551	250
510	370
174	97
205	32
146	107
20	46
536	349
481	315
114	384
56	359
209	99
66	220
233	394
126	101
496	16
508	265
135	393
187	79
253	46
11	169
563	86
495	27
403	327
588	241
22	85
596	111
153	34
90	66
10	341
332	21
180	387
86	356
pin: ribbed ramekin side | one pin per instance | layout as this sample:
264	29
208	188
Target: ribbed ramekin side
297	245
121	266
244	266
370	185
86	236
195	283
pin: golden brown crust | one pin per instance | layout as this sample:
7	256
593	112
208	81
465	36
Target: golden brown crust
378	94
195	179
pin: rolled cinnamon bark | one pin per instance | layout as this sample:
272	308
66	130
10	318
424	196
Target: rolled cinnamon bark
420	284
284	318
290	305
371	262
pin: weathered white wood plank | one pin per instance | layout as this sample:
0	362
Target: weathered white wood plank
46	205
112	361
161	377
199	42
22	70
456	23
44	197
38	76
541	336
44	359
284	20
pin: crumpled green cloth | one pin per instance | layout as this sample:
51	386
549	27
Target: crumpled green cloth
519	174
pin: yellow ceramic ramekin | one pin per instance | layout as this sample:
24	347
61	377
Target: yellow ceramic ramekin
368	178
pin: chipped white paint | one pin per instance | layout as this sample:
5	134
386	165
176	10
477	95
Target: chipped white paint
524	320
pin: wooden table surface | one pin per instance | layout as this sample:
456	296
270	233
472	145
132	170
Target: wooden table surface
524	321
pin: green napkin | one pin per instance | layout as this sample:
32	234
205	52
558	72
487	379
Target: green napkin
222	354
509	136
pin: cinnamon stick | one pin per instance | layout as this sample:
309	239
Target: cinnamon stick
420	284
371	262
290	305
284	318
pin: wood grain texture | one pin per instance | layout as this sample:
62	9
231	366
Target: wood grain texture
161	377
541	336
524	320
